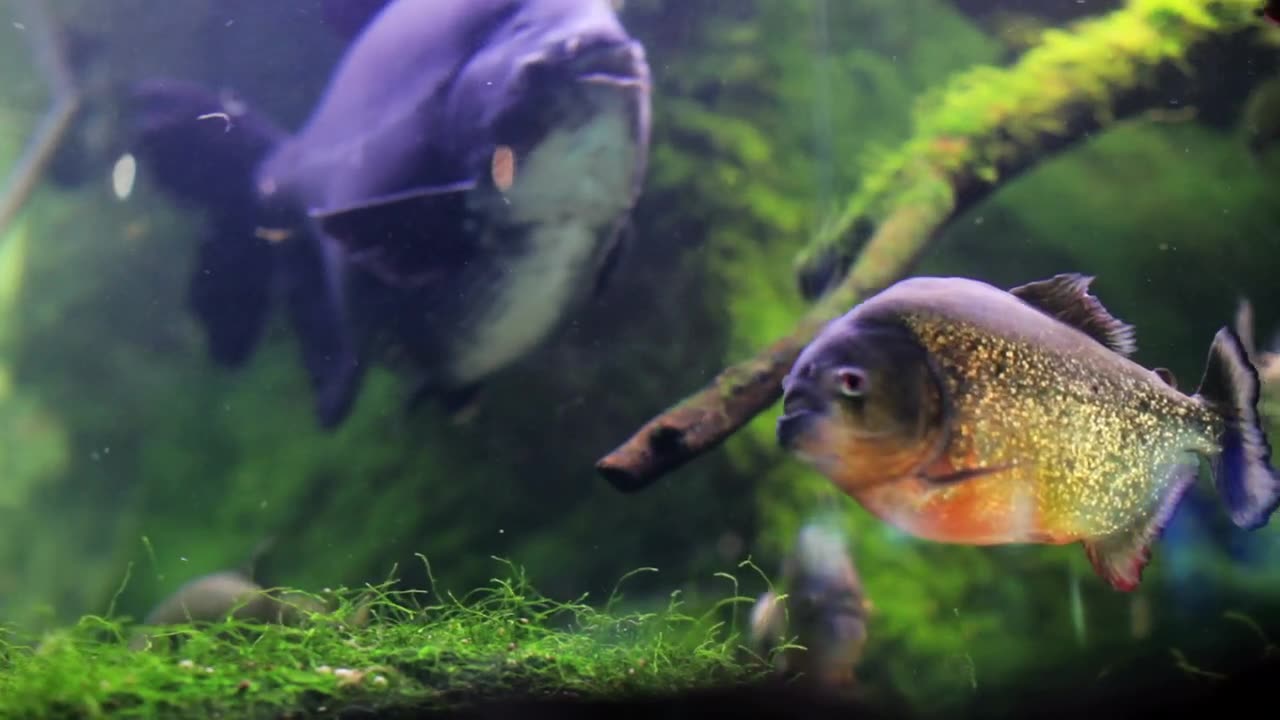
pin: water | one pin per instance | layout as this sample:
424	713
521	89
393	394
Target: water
131	462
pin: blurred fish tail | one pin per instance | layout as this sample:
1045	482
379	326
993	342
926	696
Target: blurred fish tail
1242	470
199	149
204	149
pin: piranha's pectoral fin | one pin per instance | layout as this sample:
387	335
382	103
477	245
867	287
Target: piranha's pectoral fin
1120	557
405	238
1066	298
958	476
1242	470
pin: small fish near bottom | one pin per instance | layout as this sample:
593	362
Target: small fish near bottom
962	413
816	619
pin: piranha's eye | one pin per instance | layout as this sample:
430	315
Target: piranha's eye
852	382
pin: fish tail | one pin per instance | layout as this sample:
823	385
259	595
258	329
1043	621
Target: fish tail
1242	470
205	151
205	156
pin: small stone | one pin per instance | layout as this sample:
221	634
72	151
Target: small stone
186	664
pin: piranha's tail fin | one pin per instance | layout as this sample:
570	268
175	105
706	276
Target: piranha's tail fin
198	148
205	150
1242	470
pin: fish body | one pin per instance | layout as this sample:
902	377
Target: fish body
822	606
381	222
962	413
212	598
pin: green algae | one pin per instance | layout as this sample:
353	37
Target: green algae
985	116
378	649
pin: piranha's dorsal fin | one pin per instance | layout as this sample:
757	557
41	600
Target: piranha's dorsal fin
1166	375
1120	557
1066	298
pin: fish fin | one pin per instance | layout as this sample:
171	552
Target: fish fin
230	287
1244	328
959	476
405	238
766	622
617	248
319	316
1242	470
1166	375
1119	558
1066	297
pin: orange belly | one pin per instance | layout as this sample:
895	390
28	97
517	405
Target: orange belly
992	509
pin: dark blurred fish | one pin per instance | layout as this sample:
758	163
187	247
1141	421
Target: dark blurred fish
962	413
821	605
220	596
380	221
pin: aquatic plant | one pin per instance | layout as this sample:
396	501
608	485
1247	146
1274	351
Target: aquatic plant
379	648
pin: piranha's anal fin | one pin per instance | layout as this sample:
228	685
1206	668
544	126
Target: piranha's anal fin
1066	298
1119	558
1242	468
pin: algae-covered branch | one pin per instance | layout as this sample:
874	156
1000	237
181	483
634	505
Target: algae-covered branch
985	127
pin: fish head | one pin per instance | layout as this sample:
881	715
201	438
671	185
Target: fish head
546	64
863	403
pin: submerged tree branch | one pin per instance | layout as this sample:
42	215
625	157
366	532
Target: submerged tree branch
986	127
65	103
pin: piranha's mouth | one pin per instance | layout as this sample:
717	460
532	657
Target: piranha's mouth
619	64
801	413
794	427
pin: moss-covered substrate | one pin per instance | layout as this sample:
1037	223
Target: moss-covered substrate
379	650
505	650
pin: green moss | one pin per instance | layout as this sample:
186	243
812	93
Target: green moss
983	115
380	648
